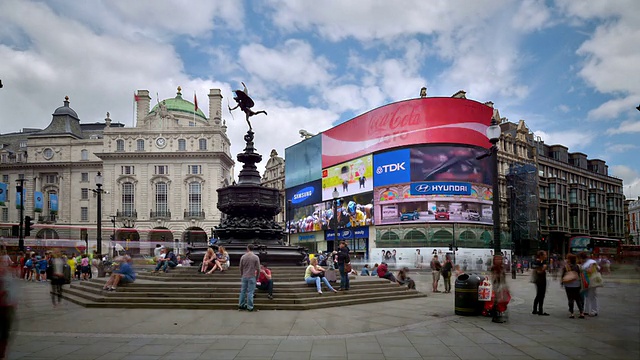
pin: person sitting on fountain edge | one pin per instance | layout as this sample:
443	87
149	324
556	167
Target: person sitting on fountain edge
264	280
124	275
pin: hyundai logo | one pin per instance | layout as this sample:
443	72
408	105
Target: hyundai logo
422	188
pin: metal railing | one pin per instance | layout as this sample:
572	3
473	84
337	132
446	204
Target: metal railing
160	214
127	214
194	215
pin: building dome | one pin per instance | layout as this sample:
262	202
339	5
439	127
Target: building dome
178	104
65	110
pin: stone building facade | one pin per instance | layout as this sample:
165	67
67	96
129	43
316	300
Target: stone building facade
274	178
159	178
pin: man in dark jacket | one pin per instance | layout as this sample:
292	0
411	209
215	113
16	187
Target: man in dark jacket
343	260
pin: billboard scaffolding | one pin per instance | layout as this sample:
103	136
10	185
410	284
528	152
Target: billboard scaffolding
522	188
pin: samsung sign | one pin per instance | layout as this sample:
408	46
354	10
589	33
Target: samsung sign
392	167
305	194
440	188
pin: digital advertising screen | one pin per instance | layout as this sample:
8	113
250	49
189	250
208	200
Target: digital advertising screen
348	178
412	122
302	163
450	163
353	211
392	167
304	194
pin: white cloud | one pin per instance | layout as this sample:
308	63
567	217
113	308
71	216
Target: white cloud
610	55
575	140
531	15
629	126
293	64
563	108
620	148
630	179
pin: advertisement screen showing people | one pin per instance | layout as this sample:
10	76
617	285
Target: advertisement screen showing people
352	211
469	259
349	178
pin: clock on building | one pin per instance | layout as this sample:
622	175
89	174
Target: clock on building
161	142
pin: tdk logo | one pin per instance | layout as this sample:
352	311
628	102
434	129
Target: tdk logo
389	168
302	195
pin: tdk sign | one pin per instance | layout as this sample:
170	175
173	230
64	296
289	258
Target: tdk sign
440	188
392	167
302	195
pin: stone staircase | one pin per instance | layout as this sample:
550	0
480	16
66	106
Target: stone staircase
185	288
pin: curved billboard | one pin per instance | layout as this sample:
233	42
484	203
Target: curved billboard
303	164
410	122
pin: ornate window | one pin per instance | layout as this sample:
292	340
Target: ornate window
202	144
182	144
48	153
195	198
140	145
161	198
84	154
49	195
119	145
128	198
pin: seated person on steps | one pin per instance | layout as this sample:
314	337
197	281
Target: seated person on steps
169	261
314	274
125	275
221	261
383	272
404	279
209	260
264	280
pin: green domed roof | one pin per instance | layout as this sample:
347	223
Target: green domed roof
181	105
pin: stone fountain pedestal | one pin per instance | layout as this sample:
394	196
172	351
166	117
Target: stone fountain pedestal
249	210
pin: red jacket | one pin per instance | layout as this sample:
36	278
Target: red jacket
382	270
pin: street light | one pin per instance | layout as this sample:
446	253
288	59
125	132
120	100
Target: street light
335	195
288	222
20	190
493	133
99	214
113	236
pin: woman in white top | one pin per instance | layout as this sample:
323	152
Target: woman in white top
314	274
591	299
209	260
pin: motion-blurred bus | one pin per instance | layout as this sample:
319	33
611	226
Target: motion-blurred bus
611	248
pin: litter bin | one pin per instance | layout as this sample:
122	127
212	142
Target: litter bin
466	295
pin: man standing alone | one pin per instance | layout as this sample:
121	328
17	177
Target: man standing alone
435	273
249	267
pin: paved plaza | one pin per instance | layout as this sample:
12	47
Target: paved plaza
424	328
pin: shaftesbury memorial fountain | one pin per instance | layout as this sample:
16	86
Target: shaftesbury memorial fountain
250	208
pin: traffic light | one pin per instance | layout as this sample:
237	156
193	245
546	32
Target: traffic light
28	225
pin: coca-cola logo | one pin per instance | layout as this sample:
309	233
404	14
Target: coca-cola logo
398	119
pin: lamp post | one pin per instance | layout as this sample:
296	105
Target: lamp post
288	222
335	195
20	189
493	133
99	214
113	236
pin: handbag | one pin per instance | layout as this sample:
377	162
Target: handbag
596	280
485	291
569	276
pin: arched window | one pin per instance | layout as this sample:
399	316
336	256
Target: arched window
195	198
202	144
119	145
161	199
84	154
128	199
182	144
140	145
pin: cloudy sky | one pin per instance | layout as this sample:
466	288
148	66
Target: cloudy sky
569	68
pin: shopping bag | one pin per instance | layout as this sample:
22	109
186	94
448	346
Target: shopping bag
484	291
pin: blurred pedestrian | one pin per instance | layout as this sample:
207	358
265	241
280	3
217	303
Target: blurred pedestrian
539	269
8	303
571	282
435	273
57	278
590	267
446	270
501	294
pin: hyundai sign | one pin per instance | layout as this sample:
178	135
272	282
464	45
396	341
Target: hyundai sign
440	188
305	194
392	167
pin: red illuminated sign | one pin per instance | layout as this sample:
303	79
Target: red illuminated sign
416	121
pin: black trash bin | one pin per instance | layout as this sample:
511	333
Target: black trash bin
466	295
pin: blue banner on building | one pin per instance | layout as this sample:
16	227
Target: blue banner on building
392	167
3	193
53	201
37	201
19	198
305	194
440	188
347	234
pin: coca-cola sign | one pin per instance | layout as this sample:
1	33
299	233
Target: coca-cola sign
411	122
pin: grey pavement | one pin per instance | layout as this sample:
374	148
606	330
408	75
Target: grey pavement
424	328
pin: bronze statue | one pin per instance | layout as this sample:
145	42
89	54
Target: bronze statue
245	103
